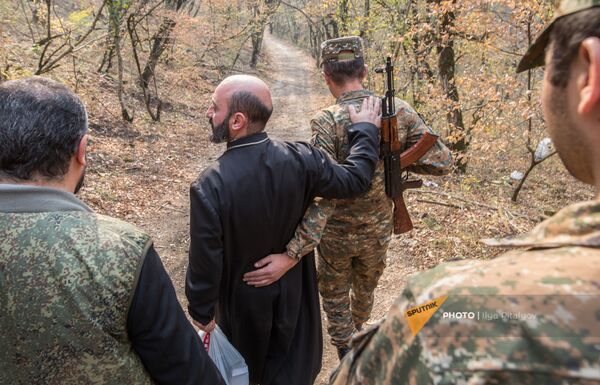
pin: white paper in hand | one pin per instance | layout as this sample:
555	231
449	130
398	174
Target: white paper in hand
227	359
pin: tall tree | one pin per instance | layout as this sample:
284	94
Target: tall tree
446	70
343	16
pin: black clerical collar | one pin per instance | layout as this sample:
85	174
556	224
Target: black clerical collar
249	140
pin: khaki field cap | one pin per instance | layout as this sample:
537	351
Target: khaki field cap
342	48
535	54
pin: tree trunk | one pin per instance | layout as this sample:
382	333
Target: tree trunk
160	42
343	16
365	25
256	35
335	30
261	20
116	17
446	69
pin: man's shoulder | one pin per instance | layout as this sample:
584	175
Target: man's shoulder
489	312
338	113
403	105
332	119
213	173
225	170
327	115
500	275
115	223
124	231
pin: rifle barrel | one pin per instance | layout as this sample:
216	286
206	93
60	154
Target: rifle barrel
389	69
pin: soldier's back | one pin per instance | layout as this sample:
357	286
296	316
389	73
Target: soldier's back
372	210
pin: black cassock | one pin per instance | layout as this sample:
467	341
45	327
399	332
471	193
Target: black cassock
245	206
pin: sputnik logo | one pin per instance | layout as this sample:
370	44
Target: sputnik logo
418	316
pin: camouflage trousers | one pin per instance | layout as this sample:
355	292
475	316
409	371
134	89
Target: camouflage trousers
349	268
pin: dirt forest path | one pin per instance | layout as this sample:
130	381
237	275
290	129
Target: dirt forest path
298	92
296	89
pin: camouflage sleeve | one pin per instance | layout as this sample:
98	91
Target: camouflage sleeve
309	231
438	160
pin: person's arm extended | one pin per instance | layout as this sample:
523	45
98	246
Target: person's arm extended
205	267
352	177
161	335
309	230
306	238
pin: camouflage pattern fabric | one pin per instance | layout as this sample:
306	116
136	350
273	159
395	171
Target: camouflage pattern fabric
557	280
355	233
67	280
342	48
343	268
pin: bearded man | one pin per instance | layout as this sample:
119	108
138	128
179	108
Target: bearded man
246	206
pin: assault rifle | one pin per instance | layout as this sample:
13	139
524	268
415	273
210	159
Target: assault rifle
394	160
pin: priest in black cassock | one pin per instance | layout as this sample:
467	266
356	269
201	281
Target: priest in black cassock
245	206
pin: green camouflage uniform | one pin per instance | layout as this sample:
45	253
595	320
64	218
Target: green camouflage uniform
557	279
354	233
67	277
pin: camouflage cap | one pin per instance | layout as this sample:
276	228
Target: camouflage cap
534	57
342	48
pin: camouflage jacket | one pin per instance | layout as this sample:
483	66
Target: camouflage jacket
528	317
372	212
67	278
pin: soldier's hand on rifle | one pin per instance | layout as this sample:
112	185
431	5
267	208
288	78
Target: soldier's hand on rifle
206	328
370	111
270	269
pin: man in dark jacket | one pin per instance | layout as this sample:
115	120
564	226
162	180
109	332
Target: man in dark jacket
247	205
84	297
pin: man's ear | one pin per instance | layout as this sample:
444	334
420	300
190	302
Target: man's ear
364	73
238	121
588	83
81	150
327	78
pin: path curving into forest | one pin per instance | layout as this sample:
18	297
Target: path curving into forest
297	89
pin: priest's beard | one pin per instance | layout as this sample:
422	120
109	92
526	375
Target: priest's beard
220	133
80	183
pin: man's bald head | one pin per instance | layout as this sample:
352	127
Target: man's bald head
250	84
250	96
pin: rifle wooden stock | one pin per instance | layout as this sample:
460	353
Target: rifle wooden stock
417	151
402	221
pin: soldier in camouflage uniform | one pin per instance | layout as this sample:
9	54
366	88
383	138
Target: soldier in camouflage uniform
529	316
354	234
84	298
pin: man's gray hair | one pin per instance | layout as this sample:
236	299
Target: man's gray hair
41	125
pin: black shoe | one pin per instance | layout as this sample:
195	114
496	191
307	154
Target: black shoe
342	352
